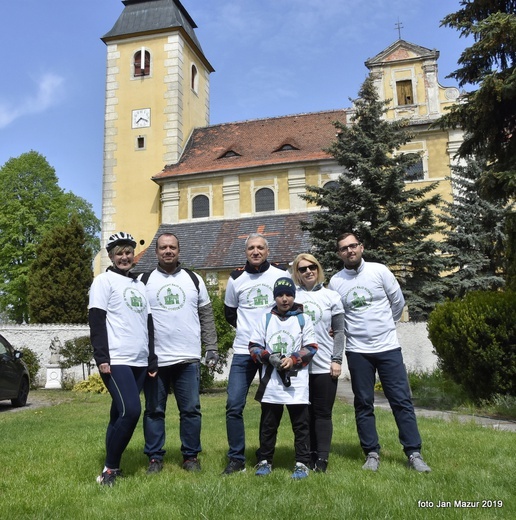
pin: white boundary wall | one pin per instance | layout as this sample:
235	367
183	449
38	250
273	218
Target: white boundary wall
417	349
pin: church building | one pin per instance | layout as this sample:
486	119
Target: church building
167	169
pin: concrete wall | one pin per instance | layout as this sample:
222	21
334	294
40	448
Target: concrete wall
417	350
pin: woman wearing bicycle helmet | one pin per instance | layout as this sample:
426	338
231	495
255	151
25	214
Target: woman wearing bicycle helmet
122	336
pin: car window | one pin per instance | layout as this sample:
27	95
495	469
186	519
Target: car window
3	347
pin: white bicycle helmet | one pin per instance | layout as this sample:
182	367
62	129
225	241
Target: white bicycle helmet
119	239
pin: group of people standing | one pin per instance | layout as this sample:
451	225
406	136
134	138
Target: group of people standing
147	332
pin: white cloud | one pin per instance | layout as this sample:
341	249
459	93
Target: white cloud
49	93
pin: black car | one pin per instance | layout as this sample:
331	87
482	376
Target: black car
14	375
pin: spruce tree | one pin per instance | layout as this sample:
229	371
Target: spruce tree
474	236
60	276
395	220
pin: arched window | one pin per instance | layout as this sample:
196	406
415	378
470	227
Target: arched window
331	185
264	200
141	68
194	80
200	206
415	172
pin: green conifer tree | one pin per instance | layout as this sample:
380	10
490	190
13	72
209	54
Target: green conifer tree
474	236
60	276
395	220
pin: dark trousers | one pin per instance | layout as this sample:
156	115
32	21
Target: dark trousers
124	384
393	376
269	424
184	379
323	390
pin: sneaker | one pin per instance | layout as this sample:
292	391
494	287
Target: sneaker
416	462
372	461
300	471
192	464
108	477
320	466
234	466
263	468
155	466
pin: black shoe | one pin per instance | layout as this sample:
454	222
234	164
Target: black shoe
192	464
320	466
155	466
108	477
234	466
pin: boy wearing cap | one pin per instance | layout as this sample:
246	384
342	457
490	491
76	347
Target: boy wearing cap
284	344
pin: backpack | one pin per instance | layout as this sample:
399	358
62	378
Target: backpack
195	280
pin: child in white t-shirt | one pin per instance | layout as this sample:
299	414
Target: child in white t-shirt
284	343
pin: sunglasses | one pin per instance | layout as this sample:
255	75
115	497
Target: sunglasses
304	269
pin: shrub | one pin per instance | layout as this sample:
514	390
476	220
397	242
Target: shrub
77	351
31	359
475	341
225	337
93	384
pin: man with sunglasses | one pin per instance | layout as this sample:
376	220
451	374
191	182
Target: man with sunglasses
373	303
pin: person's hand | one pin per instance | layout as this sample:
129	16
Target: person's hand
275	360
286	363
335	370
104	368
212	358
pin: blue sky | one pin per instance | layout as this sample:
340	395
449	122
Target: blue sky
271	58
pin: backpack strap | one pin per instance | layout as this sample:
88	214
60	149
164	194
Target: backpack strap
145	277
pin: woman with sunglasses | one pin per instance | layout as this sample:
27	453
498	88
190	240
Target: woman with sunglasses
325	309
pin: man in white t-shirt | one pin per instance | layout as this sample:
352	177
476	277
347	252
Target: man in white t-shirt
249	295
183	318
373	303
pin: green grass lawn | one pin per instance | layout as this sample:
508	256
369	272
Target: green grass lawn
51	456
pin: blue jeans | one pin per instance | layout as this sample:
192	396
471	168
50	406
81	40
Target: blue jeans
184	379
393	376
241	375
124	384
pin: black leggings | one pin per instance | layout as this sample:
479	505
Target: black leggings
323	389
124	384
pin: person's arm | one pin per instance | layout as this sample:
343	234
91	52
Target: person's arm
153	358
394	294
230	313
337	325
99	336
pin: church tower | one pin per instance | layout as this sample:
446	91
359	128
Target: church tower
157	92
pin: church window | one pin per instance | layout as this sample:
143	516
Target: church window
142	68
264	200
404	92
331	185
200	206
194	80
415	172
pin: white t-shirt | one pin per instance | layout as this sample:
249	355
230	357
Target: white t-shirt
373	302
252	295
124	300
285	336
174	302
320	306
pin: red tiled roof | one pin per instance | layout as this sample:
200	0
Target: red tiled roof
256	143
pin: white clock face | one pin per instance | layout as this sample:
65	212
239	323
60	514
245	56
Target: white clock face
141	118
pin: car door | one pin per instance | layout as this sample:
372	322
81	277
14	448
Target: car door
9	371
